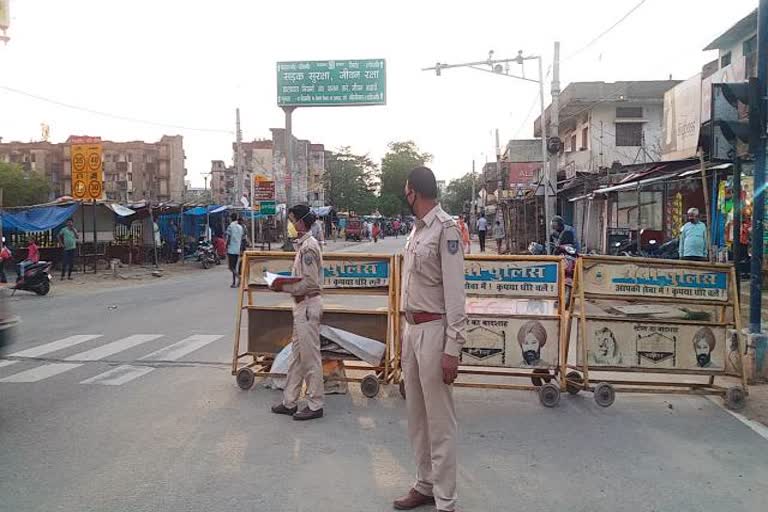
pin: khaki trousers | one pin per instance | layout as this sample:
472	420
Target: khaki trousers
431	415
306	363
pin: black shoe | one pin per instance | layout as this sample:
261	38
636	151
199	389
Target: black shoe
308	414
282	409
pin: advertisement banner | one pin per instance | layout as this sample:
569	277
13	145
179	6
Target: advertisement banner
682	120
511	342
653	345
331	83
337	273
511	278
643	280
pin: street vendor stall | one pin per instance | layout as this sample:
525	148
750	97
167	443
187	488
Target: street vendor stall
656	326
362	335
516	310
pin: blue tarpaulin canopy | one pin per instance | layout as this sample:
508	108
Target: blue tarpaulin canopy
202	210
37	219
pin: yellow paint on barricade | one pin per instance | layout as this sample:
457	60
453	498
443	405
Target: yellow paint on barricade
665	318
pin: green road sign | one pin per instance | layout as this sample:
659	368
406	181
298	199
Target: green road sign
265	207
328	83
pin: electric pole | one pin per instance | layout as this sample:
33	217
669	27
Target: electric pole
550	198
472	208
238	160
288	175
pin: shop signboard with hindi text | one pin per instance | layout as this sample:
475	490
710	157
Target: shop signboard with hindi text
349	273
331	83
511	278
655	281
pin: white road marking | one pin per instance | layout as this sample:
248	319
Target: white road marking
7	363
119	375
43	372
127	373
180	349
757	427
54	346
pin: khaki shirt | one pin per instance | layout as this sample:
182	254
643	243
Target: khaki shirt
308	264
433	275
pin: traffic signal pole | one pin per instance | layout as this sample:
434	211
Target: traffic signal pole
758	208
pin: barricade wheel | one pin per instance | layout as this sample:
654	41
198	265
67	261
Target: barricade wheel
549	395
370	386
540	376
574	383
735	398
245	378
605	394
402	388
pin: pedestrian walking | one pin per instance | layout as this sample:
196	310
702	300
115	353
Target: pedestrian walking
68	240
693	238
306	364
464	230
396	227
482	230
498	235
234	245
5	255
376	231
433	300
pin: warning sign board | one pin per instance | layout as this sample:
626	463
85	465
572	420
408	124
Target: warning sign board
87	175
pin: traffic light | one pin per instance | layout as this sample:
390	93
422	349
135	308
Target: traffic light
736	123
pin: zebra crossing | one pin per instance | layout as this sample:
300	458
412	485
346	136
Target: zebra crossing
102	351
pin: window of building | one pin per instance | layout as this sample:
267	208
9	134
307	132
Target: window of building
629	134
573	142
34	159
130	157
725	60
750	45
317	196
629	112
585	137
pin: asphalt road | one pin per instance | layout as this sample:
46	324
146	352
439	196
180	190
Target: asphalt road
120	399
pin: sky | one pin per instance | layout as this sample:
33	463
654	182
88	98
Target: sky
182	67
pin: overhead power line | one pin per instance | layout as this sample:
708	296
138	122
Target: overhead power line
110	115
606	31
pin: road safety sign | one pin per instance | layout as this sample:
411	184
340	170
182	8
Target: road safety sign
87	174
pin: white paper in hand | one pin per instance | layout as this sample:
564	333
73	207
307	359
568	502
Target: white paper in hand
270	278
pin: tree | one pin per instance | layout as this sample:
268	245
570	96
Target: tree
395	166
390	205
350	181
22	188
458	195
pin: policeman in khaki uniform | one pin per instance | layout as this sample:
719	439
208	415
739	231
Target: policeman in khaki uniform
433	300
306	363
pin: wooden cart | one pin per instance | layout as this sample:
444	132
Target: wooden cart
269	314
677	320
513	301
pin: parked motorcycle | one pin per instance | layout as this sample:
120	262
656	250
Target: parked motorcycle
206	254
35	278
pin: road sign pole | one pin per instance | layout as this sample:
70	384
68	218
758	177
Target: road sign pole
288	177
93	208
758	212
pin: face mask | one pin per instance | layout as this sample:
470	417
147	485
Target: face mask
531	356
703	359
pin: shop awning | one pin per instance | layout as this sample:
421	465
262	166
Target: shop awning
37	219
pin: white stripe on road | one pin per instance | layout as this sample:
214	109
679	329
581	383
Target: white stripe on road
119	375
127	373
49	370
178	350
54	346
113	348
41	372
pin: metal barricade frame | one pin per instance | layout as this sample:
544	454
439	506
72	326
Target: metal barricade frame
541	377
637	292
249	364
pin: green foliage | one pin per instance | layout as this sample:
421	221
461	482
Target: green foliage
458	194
350	181
389	205
395	166
22	188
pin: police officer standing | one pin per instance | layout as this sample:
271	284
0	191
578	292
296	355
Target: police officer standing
306	363
433	300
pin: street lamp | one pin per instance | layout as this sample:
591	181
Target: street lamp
501	67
